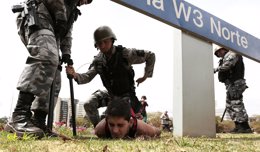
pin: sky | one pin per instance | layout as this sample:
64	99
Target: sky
133	30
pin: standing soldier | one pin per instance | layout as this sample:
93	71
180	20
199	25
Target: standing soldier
231	73
114	65
44	27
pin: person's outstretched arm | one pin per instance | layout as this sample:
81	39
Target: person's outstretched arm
147	130
99	130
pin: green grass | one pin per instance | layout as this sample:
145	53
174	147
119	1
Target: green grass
87	142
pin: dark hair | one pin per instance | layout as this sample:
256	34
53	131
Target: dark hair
119	108
144	97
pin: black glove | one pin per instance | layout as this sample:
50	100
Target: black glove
65	58
60	28
70	62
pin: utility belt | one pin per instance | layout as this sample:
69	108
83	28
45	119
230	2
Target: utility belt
28	10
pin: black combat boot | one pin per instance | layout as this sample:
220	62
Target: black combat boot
236	127
242	127
39	120
245	128
21	119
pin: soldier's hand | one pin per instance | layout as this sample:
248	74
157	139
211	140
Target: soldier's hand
70	71
140	80
65	58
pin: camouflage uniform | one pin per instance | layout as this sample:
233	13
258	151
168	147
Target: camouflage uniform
100	98
42	103
43	46
234	87
43	41
231	73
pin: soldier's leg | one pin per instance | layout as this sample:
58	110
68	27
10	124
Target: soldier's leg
239	116
36	79
96	100
236	108
40	106
229	106
21	123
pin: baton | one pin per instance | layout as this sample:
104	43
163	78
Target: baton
72	100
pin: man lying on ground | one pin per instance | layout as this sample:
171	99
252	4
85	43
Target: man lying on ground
119	123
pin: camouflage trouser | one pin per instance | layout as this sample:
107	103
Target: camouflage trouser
99	98
42	65
42	103
234	101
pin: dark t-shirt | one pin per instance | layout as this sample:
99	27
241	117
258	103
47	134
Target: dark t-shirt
143	108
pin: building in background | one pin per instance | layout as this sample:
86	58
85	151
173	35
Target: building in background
80	112
63	111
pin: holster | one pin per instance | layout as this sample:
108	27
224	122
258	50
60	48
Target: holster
29	11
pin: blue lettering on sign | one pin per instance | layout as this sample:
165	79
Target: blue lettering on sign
187	17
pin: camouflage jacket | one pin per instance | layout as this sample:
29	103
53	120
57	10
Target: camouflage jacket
49	11
231	67
133	56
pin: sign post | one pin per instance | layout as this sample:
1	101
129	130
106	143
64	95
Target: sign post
193	91
191	19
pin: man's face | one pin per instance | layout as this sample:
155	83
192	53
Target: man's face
105	45
221	53
118	126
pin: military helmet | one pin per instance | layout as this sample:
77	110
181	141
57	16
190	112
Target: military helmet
103	32
218	48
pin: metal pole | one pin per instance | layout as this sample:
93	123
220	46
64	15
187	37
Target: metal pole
51	105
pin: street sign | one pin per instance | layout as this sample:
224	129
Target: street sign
191	19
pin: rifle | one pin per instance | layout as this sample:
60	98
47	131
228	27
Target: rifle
227	82
223	115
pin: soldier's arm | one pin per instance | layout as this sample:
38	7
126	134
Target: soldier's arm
83	78
135	56
57	9
66	43
228	62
